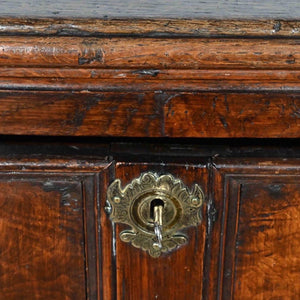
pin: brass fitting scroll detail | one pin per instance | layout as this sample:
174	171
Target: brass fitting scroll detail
156	208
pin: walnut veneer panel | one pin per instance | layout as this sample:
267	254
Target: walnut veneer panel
129	86
177	275
49	244
150	114
42	241
257	229
268	244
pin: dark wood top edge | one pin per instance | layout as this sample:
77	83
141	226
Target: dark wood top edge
150	27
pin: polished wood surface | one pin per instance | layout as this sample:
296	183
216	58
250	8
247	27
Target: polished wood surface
255	243
150	114
48	229
177	275
162	27
232	115
41	237
149	53
126	85
59	243
85	101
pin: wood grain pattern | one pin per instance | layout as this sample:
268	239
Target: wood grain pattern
93	78
150	114
66	113
133	8
149	27
42	254
208	77
48	229
268	252
105	246
256	234
232	115
149	87
178	275
149	53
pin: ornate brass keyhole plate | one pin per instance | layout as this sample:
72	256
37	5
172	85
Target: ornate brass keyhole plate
139	204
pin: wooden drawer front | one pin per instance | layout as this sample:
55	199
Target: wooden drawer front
258	230
47	229
151	114
177	275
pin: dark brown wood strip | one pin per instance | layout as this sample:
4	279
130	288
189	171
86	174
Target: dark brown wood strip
151	114
232	115
35	75
150	27
79	114
149	85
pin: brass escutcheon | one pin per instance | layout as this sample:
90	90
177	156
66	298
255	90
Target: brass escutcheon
135	205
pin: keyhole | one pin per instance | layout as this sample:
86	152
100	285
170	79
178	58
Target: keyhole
154	203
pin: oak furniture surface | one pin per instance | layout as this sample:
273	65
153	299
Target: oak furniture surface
89	95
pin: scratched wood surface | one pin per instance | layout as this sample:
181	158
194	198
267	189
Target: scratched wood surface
256	241
149	53
150	114
137	86
289	9
177	275
47	219
162	27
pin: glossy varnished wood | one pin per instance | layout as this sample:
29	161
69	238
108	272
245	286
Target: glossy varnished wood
150	114
162	27
79	80
149	53
41	237
120	81
48	229
255	238
232	115
178	275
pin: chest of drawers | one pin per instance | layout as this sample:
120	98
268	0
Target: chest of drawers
86	101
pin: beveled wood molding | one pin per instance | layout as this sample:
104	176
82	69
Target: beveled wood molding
136	63
149	53
133	85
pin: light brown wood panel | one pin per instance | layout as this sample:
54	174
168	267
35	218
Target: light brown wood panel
256	240
177	275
